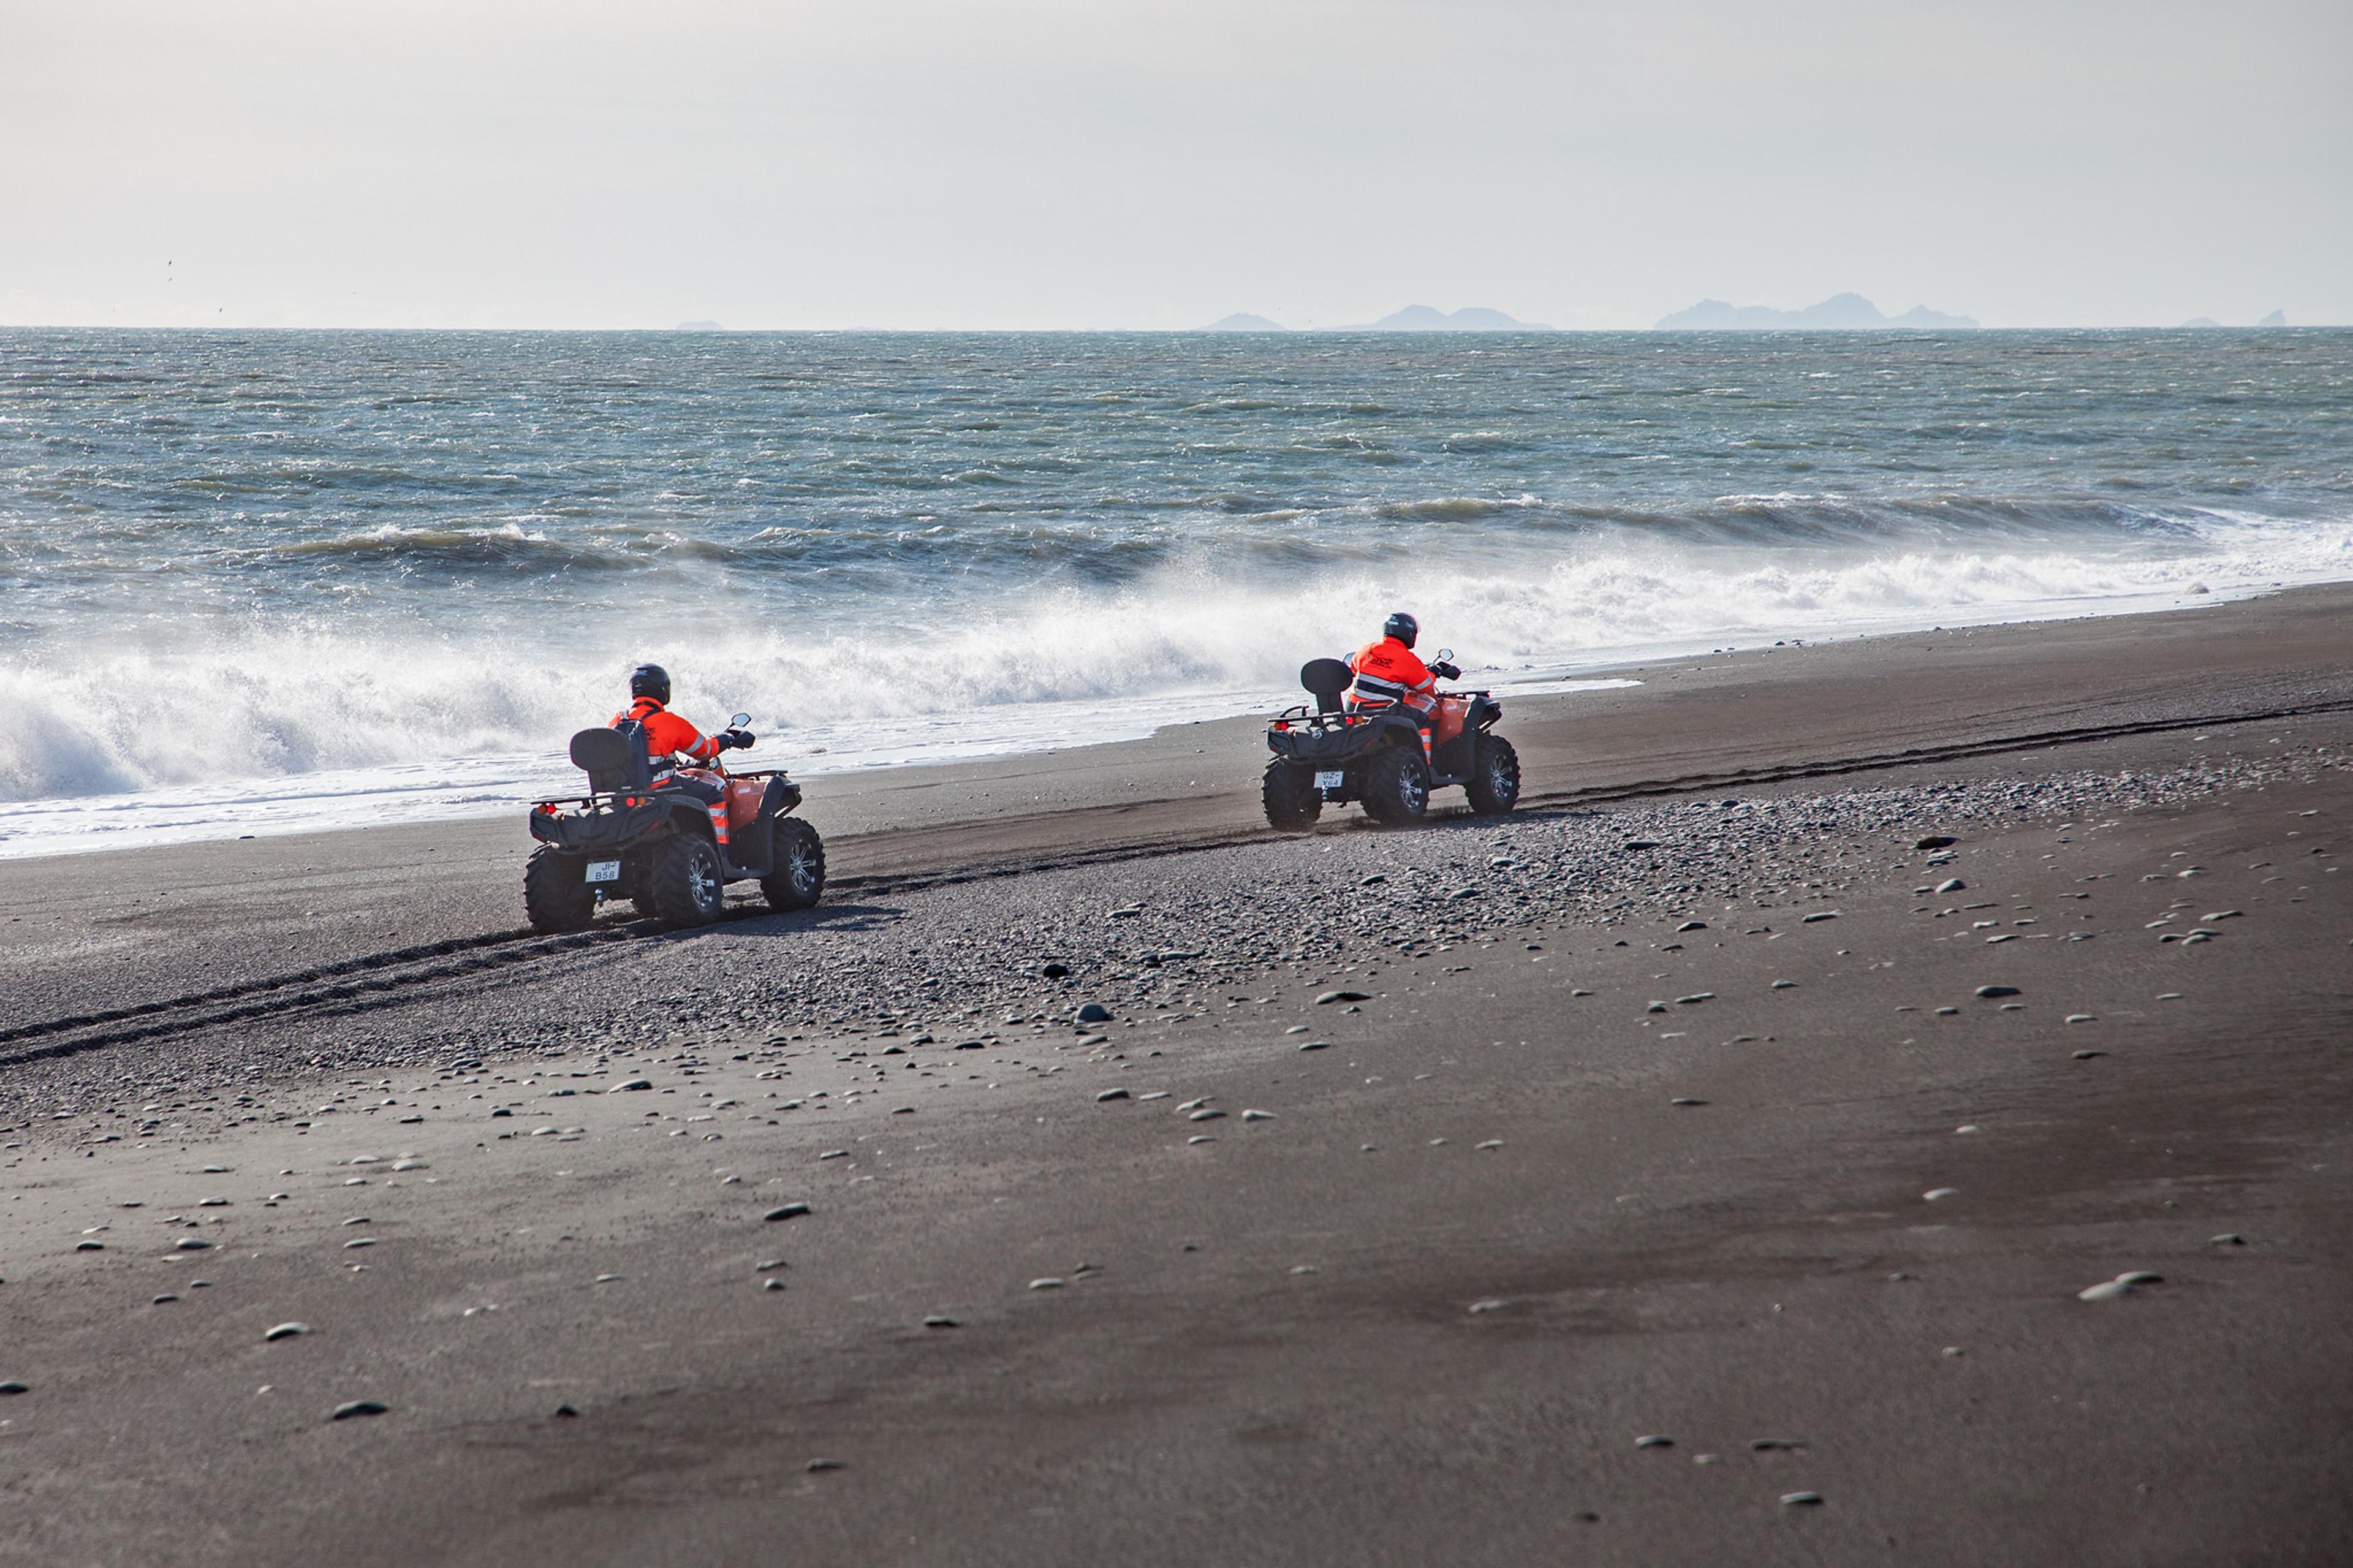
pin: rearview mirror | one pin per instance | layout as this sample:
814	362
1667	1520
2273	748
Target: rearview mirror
1446	655
738	721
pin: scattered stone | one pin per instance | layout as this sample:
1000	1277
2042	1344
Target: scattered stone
1935	841
2228	1239
1656	1008
834	1155
566	1412
1691	925
192	1244
1989	992
1635	846
786	1211
1094	1013
1951	885
411	1164
1258	1116
772	1283
1768	1445
1784	986
285	1331
937	1322
344	1412
162	1299
1686	1100
1055	971
1050	1282
1490	1143
1317	1046
2087	1055
12	1387
1342	997
358	1242
623	1087
1489	1306
1820	915
2082	1018
1695	998
1207	1113
1801	1499
816	1465
1109	1095
1939	1194
90	1246
1654	1442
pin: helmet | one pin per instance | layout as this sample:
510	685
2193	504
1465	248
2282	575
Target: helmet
650	681
1402	626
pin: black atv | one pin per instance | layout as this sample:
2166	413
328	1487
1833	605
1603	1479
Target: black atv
1376	757
632	838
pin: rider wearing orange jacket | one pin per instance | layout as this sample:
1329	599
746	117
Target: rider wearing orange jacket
1389	675
667	735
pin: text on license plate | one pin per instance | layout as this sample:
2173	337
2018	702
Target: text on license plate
1330	780
604	870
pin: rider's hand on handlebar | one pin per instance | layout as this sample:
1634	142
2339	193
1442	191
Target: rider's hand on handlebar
740	739
1446	670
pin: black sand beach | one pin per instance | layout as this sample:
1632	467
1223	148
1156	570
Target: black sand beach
1415	1178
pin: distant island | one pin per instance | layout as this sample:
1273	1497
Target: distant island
2199	323
1839	313
1470	319
1244	322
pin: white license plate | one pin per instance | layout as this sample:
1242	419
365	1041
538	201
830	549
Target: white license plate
1331	779
604	870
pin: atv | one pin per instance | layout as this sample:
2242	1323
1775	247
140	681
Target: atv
632	838
1376	757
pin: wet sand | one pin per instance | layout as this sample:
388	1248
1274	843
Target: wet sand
1273	1344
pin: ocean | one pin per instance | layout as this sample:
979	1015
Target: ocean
262	582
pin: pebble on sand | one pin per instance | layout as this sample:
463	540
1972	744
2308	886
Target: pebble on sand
1343	997
1691	925
1801	1499
1092	1013
1111	1094
2083	1018
286	1332
816	1465
344	1412
1317	1046
12	1387
937	1322
1489	1306
2123	1284
786	1211
1207	1113
1050	1282
1654	1442
1989	992
1939	1194
1951	885
1820	915
192	1244
1685	1100
1258	1116
624	1086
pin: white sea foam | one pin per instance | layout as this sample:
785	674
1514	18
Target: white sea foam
281	731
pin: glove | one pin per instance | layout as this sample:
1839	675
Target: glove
1446	670
740	739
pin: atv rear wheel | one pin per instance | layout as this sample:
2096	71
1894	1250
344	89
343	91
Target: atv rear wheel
687	888
555	892
1495	786
1397	785
1293	802
800	866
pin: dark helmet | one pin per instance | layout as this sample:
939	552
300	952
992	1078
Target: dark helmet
650	681
1402	626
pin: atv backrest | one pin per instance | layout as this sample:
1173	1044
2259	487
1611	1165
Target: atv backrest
1326	678
614	759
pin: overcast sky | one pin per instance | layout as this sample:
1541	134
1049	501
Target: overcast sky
1161	163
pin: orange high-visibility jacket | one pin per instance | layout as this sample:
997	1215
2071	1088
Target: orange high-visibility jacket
666	732
1388	672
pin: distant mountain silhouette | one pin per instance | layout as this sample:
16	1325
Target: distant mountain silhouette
1244	322
2276	319
2197	321
1470	319
1839	313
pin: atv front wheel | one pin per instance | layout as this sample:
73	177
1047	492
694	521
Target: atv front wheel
800	867
1397	786
687	881
1495	786
555	892
1293	802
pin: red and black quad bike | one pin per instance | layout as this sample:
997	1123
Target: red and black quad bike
630	838
1375	757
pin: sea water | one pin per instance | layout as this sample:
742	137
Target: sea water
254	582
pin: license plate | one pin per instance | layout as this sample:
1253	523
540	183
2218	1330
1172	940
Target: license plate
1331	779
604	870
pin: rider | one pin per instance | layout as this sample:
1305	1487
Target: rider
1388	675
669	737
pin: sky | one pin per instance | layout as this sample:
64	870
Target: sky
1159	163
